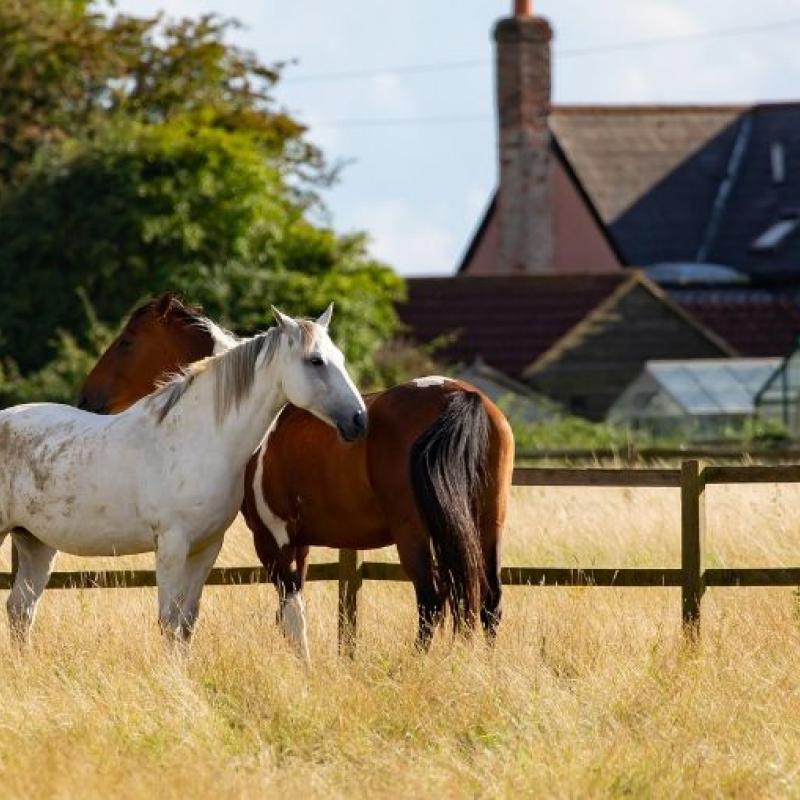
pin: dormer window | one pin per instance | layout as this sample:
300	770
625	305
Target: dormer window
777	158
774	236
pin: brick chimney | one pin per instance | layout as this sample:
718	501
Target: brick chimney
523	104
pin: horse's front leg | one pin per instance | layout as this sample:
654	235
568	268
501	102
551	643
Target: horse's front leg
172	552
292	621
198	565
33	572
286	566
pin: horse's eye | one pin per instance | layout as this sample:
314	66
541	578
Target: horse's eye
125	345
316	361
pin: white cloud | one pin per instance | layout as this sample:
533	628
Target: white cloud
404	236
387	95
655	18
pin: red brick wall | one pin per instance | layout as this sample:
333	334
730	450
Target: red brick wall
579	245
525	219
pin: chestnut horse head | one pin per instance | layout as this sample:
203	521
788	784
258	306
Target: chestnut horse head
161	337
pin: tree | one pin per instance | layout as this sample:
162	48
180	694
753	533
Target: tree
67	70
180	206
169	169
59	379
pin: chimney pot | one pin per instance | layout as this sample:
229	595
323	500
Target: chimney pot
523	8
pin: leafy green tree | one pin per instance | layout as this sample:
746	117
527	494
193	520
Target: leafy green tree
158	162
180	206
67	69
58	381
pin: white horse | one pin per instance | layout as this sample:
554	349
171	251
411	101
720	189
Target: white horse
166	475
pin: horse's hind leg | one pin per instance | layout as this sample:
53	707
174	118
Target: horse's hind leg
492	523
414	551
493	513
491	606
35	562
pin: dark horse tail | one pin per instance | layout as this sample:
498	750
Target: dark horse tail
447	473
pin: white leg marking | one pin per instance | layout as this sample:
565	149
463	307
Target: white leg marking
293	623
275	525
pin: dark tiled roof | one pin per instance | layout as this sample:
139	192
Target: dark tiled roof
756	202
507	321
665	180
755	322
622	153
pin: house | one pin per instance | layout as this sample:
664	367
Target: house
620	234
755	320
601	188
577	339
660	185
700	398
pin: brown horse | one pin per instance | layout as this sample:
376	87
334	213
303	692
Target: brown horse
432	475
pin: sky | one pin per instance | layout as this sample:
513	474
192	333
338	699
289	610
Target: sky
418	148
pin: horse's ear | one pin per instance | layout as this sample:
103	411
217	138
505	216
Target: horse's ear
285	323
164	304
325	317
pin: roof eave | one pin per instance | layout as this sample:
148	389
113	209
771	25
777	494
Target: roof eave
637	278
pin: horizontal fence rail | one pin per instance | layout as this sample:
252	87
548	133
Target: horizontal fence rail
746	474
691	577
142	578
632	454
590	476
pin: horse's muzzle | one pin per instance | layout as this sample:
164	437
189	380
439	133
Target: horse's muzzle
355	427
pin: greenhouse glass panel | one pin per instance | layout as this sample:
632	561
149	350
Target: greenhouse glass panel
779	398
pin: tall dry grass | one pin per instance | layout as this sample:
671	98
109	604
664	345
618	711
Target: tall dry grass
589	692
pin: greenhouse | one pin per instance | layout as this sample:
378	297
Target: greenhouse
779	398
702	398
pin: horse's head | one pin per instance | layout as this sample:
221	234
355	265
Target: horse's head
315	378
161	337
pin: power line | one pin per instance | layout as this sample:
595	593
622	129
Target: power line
576	52
377	122
723	33
408	69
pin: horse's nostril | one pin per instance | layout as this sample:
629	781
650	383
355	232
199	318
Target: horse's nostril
360	420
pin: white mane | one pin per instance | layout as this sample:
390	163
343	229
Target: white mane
224	339
233	371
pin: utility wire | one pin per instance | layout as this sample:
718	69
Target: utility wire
575	52
723	33
409	69
377	122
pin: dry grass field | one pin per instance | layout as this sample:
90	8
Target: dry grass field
589	692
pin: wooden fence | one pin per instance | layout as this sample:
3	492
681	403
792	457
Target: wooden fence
731	452
692	478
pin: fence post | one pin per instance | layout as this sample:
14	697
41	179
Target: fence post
14	562
350	580
693	523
